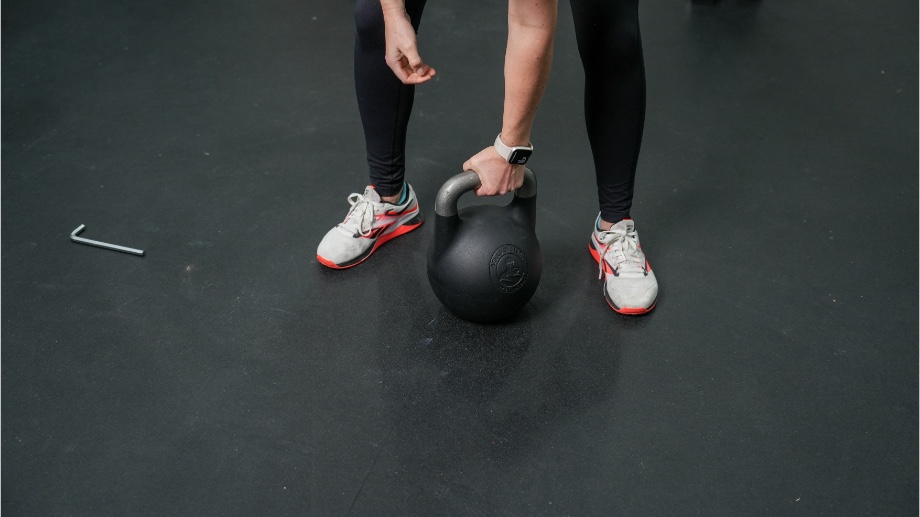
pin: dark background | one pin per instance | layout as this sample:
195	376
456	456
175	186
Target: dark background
227	372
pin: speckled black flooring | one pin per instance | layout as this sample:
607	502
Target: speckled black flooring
227	373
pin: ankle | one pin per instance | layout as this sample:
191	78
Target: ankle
398	198
605	225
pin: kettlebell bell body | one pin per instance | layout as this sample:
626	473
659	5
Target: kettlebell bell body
484	262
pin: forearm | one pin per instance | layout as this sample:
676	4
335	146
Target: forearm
391	7
528	57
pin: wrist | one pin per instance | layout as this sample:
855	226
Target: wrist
513	138
513	154
393	8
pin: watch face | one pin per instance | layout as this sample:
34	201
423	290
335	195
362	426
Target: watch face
519	156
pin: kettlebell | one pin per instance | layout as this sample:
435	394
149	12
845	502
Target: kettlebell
484	262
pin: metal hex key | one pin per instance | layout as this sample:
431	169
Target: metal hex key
115	247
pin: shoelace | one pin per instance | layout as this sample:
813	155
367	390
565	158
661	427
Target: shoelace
627	257
357	220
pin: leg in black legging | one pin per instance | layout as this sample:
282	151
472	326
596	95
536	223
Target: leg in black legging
611	53
384	102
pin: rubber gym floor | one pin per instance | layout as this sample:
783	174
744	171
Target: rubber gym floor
228	373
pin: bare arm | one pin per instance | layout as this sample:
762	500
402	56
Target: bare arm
528	57
531	25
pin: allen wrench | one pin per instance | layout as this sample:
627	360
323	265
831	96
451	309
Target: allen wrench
115	247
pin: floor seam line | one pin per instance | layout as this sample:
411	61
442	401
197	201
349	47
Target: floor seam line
371	469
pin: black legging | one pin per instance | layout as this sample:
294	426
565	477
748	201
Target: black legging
610	46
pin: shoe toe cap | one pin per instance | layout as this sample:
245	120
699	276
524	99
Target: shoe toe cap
639	293
339	248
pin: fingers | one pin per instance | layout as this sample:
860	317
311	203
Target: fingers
415	62
499	182
406	74
497	177
484	189
468	166
518	177
491	187
419	78
396	66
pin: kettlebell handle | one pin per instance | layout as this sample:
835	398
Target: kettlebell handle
446	202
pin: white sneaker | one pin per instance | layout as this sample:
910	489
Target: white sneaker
630	286
370	223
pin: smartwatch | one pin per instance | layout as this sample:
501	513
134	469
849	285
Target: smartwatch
515	155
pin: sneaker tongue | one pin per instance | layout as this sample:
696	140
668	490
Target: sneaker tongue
371	193
626	225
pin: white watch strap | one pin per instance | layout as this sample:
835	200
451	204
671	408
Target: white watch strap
504	151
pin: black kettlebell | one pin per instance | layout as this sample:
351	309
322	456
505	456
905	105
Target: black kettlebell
484	262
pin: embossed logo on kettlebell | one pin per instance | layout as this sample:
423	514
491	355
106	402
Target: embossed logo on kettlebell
508	268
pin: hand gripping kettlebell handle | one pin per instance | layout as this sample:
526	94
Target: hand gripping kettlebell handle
446	202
